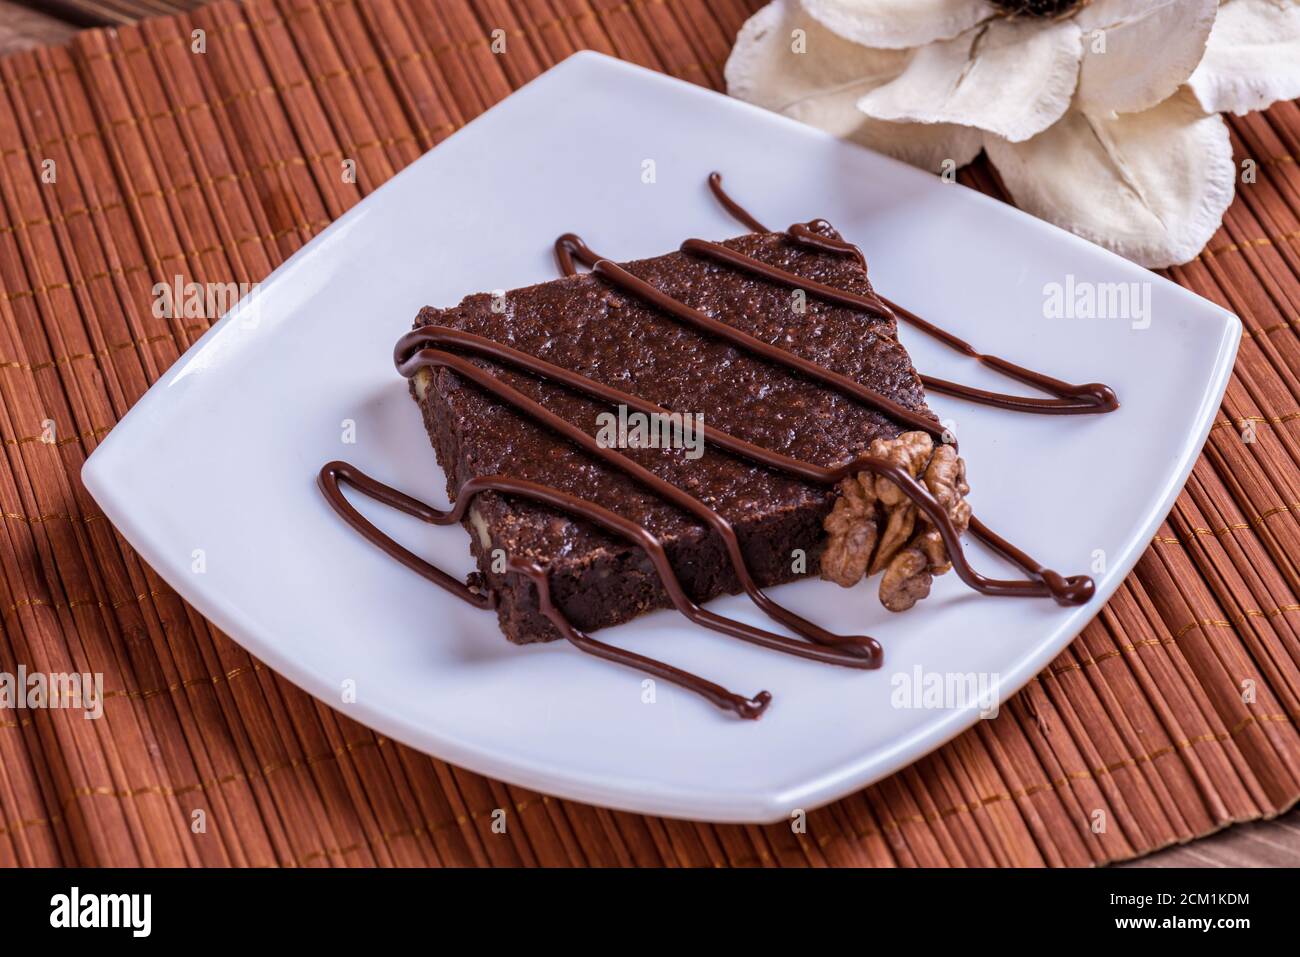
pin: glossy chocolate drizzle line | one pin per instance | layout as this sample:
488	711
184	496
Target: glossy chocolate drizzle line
413	353
1069	399
570	246
335	473
425	347
1073	590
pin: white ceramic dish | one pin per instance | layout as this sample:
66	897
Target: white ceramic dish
221	454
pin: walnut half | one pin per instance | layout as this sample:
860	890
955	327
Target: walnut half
875	527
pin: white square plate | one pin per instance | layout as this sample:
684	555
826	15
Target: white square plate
222	453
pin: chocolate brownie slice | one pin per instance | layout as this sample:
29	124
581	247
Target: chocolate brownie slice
584	324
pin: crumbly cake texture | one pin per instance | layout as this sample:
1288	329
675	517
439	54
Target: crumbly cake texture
584	324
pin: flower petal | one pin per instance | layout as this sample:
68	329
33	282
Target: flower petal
1138	52
1013	77
821	85
1152	186
1253	59
895	24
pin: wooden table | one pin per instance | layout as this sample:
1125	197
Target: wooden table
1263	844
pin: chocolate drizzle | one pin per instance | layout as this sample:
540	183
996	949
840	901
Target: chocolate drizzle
1072	590
421	348
429	347
1068	398
738	212
335	473
618	276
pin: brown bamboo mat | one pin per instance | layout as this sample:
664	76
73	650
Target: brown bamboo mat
1173	714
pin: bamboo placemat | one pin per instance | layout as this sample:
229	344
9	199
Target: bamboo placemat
1173	714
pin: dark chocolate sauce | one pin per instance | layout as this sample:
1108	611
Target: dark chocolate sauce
334	473
1069	399
413	353
618	276
1072	590
427	346
738	212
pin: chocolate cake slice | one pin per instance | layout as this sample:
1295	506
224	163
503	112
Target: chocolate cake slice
585	324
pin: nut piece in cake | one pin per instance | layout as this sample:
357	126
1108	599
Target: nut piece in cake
875	527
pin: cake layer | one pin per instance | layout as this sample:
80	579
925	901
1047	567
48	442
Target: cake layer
584	324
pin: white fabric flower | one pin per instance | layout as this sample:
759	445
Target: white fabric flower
1102	119
1253	59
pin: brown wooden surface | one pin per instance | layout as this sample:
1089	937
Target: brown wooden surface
94	13
23	28
1141	718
